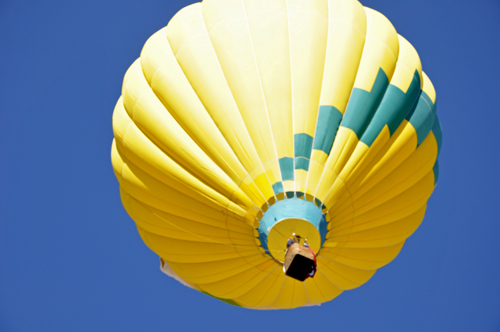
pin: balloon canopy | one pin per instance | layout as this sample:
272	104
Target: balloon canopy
244	122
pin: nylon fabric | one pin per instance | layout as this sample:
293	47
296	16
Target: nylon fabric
239	107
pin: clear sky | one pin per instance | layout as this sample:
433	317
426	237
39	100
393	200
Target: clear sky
71	258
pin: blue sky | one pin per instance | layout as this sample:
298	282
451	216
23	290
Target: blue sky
71	258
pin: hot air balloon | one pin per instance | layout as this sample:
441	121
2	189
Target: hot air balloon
244	122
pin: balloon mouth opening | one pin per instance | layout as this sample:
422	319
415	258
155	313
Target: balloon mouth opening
288	216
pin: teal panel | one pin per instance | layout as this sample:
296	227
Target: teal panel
303	145
410	113
423	117
409	104
300	194
286	167
302	163
436	130
436	172
292	208
329	119
393	109
318	202
278	188
231	302
363	104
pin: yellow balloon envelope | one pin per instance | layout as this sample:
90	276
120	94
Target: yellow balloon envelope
244	122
